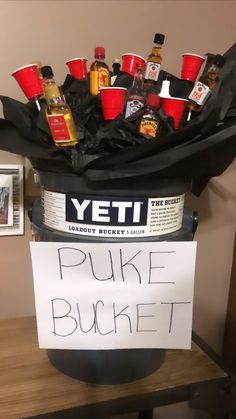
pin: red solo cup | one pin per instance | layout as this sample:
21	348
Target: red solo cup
191	66
78	67
28	79
113	100
129	62
174	106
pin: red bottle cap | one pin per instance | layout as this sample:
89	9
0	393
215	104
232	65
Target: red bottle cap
153	100
99	52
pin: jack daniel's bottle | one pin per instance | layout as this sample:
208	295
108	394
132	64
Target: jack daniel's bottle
58	113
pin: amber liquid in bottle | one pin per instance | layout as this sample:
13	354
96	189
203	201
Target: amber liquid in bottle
99	72
59	115
62	109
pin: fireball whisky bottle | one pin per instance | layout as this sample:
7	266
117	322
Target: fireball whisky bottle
99	72
149	122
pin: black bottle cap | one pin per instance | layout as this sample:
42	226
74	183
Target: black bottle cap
159	38
46	71
219	60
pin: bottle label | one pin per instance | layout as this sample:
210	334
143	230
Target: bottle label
113	79
149	128
58	127
98	78
112	216
133	106
152	71
103	77
200	93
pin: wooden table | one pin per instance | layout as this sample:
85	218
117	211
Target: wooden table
31	387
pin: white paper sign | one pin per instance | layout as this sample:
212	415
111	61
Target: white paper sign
114	295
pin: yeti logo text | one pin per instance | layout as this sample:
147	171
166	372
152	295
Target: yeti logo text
101	210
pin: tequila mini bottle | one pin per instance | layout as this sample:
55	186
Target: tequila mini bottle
58	113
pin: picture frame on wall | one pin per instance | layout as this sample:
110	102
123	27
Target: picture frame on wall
11	200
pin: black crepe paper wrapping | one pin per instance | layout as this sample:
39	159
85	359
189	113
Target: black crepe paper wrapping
114	150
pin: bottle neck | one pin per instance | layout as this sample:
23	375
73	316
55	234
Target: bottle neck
100	58
116	68
151	108
156	50
52	92
213	75
210	79
138	80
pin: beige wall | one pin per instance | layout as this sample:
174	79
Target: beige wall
54	31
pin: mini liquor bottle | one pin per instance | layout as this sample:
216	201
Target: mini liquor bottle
206	83
99	72
136	95
154	60
58	113
116	69
149	122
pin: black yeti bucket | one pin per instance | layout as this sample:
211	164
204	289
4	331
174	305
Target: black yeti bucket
116	366
144	207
